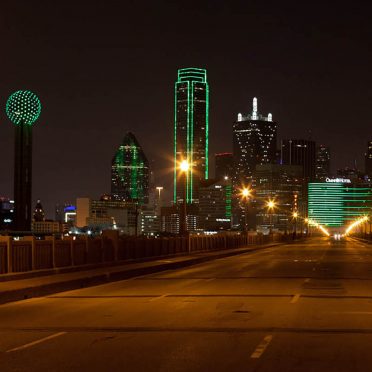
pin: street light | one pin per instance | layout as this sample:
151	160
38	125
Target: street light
246	193
184	168
295	215
270	205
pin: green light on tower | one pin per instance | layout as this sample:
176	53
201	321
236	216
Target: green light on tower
191	129
24	107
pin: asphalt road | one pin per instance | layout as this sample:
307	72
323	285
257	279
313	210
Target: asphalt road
297	307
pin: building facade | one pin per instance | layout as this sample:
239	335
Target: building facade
130	172
215	211
300	152
6	213
224	165
45	227
284	185
323	163
191	125
368	161
338	202
109	214
254	143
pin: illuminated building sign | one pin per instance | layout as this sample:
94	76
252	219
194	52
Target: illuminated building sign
337	180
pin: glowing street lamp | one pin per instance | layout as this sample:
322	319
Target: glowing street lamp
246	193
295	215
307	226
184	168
270	205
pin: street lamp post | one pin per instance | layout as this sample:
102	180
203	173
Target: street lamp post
184	167
295	215
307	226
271	206
246	193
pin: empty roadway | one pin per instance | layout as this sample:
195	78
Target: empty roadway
296	307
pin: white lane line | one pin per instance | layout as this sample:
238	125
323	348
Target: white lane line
262	347
295	298
209	280
36	342
159	297
352	312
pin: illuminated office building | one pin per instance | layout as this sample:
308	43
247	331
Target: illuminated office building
39	214
6	213
105	214
254	143
191	131
284	184
300	152
369	159
338	202
215	204
223	165
130	172
323	163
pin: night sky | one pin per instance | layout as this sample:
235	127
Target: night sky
102	70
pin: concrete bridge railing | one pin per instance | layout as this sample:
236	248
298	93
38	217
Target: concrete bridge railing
30	254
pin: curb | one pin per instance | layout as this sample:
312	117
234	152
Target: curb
95	279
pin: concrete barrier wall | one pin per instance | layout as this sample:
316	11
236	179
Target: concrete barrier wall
31	254
3	258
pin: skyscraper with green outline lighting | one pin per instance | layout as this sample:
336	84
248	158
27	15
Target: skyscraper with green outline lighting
130	172
191	131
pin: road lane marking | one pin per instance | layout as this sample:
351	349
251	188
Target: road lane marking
36	342
307	280
209	280
159	297
295	298
262	347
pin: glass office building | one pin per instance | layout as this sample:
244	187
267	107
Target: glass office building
338	202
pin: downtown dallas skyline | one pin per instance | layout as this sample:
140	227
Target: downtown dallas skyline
104	71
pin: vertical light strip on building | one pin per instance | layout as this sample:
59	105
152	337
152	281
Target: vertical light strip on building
206	129
175	145
228	201
190	138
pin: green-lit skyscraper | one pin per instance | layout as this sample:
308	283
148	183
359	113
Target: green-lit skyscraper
191	131
130	172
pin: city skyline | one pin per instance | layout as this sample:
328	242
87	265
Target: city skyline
102	101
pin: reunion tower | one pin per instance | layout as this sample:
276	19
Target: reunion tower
23	109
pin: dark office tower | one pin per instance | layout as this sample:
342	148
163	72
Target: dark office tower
323	163
23	109
223	165
300	152
369	159
130	172
39	214
190	131
254	143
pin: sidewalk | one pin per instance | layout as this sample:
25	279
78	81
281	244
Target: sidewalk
20	289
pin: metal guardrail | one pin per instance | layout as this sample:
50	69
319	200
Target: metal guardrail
31	254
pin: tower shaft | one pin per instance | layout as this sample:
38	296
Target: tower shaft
23	177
